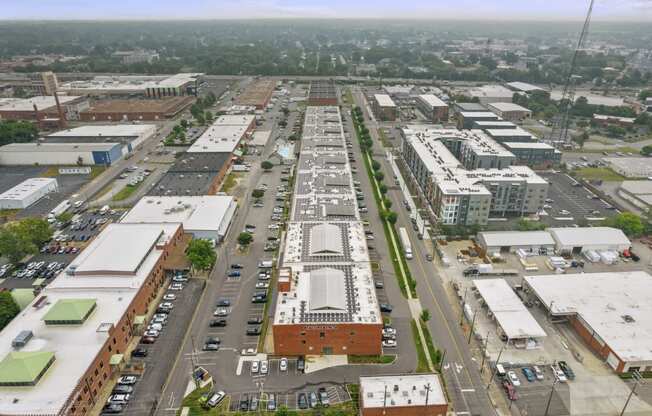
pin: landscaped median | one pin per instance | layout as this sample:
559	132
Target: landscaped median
406	283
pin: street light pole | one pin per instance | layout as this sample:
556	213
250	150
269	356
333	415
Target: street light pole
484	352
552	390
493	373
637	377
463	305
472	326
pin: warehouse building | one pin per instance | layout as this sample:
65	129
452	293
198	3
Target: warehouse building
433	107
468	108
517	134
225	134
491	94
129	135
326	297
384	107
536	242
606	120
402	395
523	87
27	193
465	119
510	111
136	110
194	174
61	153
42	107
630	167
207	216
322	93
257	94
399	92
638	193
578	240
611	312
152	86
491	125
536	155
438	160
59	352
512	317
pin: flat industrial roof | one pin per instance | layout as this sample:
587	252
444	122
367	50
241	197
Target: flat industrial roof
42	102
512	315
219	138
235	120
528	145
111	130
432	100
27	187
523	86
616	305
501	106
516	238
588	236
516	132
57	147
491	91
637	187
402	390
197	213
384	100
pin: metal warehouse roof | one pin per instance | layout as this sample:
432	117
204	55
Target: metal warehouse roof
57	147
113	130
326	239
27	187
589	236
507	107
384	100
379	391
516	238
512	316
21	368
327	290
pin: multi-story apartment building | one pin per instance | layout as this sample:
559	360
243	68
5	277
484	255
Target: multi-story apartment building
466	178
384	107
432	107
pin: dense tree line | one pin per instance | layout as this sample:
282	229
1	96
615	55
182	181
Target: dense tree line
17	132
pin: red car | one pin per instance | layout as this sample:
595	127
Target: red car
510	390
147	340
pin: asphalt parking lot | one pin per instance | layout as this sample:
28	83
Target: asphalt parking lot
573	204
156	368
289	399
11	176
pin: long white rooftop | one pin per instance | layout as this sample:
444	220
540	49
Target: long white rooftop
28	187
219	139
384	100
41	102
111	130
402	390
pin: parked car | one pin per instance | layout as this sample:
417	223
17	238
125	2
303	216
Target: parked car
223	302
113	408
255	367
221	312
236	266
301	364
510	390
264	367
529	374
389	343
513	378
386	307
244	403
563	365
559	374
323	397
123	389
119	398
313	399
169	296
253	330
303	401
283	364
139	352
216	398
217	323
233	273
271	402
255	321
128	380
538	373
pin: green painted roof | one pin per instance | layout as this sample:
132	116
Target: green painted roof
75	310
24	367
23	297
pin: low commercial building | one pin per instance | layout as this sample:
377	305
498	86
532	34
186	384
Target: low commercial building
152	86
523	87
468	107
27	193
129	135
502	135
578	240
630	167
606	120
322	93
136	56
207	216
402	395
136	110
611	312
493	125
257	94
399	92
465	176
638	193
326	301
512	317
537	242
194	174
536	155
224	135
432	107
61	153
42	107
59	352
384	107
465	119
510	111
492	94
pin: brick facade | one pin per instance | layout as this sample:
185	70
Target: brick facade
350	339
435	410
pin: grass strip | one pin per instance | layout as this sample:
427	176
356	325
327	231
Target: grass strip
126	192
422	361
435	354
371	359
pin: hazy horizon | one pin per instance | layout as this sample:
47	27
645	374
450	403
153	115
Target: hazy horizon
500	10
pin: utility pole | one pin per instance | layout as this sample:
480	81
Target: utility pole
493	373
638	380
552	390
472	326
484	352
427	394
463	305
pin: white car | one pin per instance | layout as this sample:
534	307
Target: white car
175	286
254	367
389	343
160	320
513	378
154	326
264	276
169	296
127	380
221	312
152	333
283	364
262	285
389	331
559	375
166	305
273	227
564	212
264	367
538	373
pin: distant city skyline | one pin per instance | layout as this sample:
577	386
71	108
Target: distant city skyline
639	10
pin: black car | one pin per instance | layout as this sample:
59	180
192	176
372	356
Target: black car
253	330
112	409
301	363
255	321
244	403
563	365
139	352
223	302
303	401
236	266
379	284
386	307
258	298
217	323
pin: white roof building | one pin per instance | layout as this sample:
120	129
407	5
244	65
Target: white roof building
41	102
401	391
523	87
27	193
512	316
132	133
206	216
432	100
589	238
494	241
327	287
501	108
384	100
492	94
614	308
219	139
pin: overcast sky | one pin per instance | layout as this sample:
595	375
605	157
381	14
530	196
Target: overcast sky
233	9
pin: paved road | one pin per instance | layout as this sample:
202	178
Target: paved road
466	388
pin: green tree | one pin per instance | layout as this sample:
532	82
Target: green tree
245	238
208	116
201	120
12	131
643	95
582	138
8	308
391	217
266	165
387	202
382	188
13	247
425	315
34	230
379	176
629	223
184	123
526	225
375	165
257	193
646	150
201	255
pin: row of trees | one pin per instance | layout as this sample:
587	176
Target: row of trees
21	238
199	109
12	131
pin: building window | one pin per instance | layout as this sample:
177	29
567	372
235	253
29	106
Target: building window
322	335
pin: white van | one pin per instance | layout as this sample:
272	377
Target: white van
104	209
500	370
